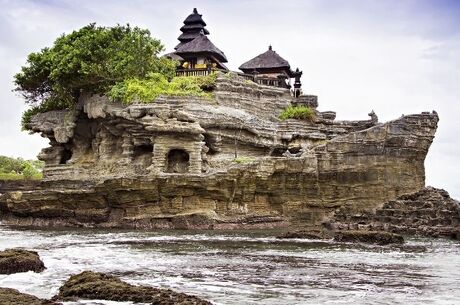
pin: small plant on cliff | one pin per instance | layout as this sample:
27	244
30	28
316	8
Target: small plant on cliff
243	160
297	112
92	59
147	90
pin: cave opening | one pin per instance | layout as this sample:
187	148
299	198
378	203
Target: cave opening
65	156
142	154
177	161
144	149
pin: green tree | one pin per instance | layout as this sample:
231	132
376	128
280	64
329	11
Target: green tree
8	165
29	171
92	59
18	168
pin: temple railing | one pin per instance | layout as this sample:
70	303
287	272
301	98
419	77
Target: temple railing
196	72
267	81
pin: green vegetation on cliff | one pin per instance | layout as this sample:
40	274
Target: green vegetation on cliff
156	84
91	59
297	112
18	168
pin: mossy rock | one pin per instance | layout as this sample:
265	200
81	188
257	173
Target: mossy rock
10	296
100	286
369	237
19	260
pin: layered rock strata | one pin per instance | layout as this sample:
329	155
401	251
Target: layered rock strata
215	163
428	212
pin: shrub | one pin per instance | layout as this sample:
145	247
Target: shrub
147	90
298	112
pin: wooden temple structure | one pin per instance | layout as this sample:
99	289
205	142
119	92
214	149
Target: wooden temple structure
198	56
271	69
195	52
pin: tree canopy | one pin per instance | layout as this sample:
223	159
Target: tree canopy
91	59
18	168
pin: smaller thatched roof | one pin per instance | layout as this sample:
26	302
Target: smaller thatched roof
267	60
201	44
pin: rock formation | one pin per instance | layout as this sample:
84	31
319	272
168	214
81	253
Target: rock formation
427	212
100	286
215	162
19	260
10	296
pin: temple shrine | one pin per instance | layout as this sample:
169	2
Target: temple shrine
198	56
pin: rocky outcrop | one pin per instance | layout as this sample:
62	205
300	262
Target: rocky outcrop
10	296
171	163
99	286
369	237
19	260
428	212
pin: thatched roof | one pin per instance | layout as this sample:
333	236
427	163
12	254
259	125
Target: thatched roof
193	26
173	56
194	18
203	45
268	60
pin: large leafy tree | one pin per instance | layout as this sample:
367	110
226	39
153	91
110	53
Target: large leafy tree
92	59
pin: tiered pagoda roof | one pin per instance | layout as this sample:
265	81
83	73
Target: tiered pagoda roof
193	26
200	45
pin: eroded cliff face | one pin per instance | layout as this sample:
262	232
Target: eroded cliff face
225	160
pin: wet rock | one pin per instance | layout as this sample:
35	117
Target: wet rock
19	260
370	237
308	234
100	286
427	212
10	296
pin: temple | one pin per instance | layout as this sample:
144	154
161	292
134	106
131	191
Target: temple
198	56
271	69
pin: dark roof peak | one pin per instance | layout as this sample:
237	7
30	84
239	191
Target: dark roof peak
195	11
270	47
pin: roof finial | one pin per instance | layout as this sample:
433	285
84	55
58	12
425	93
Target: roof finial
270	47
195	11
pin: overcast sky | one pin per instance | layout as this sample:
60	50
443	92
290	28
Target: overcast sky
394	57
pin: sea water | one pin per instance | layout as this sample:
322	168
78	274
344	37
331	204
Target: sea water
244	267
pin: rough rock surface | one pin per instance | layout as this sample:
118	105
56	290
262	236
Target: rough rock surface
93	285
307	234
10	296
370	237
428	212
172	163
19	260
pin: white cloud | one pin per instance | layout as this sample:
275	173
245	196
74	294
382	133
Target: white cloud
391	56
